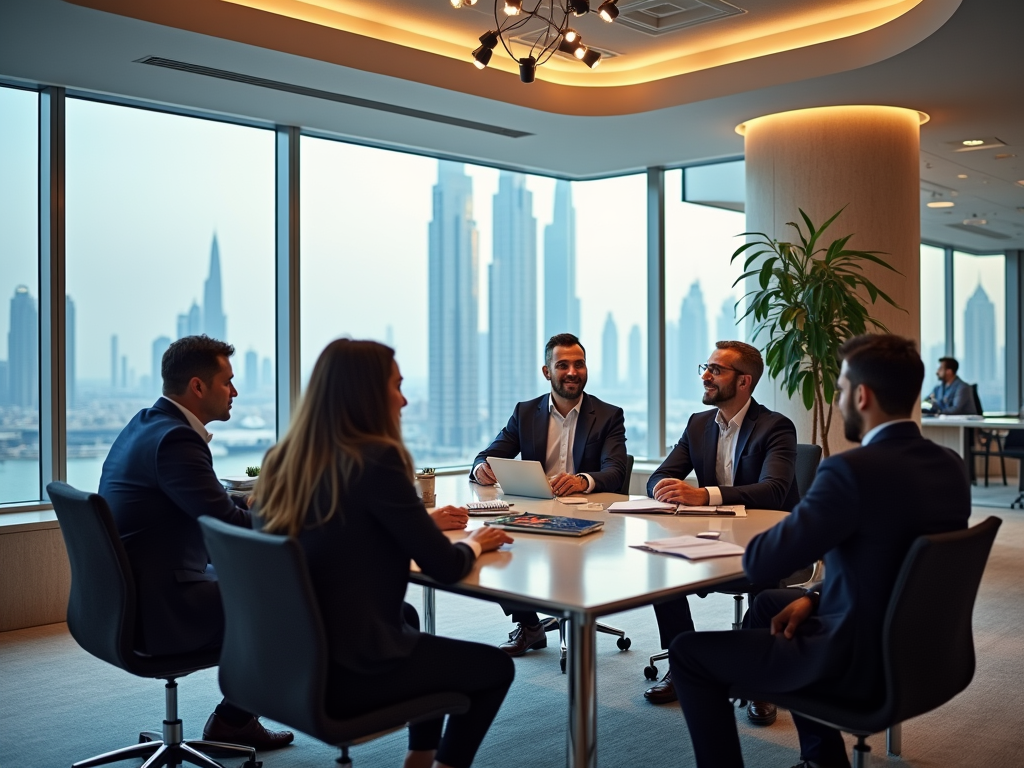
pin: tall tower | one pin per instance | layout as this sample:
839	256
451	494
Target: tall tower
979	353
215	324
636	360
728	327
70	348
191	323
453	300
23	350
610	354
561	305
252	373
513	299
693	344
160	345
114	362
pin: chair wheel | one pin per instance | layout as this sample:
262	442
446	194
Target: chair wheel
561	663
651	672
623	643
252	764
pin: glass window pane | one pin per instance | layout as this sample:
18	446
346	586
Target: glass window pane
170	232
979	325
933	308
700	300
19	294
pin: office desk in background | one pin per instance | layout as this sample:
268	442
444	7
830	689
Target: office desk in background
584	578
956	432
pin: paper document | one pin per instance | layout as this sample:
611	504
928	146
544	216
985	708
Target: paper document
643	505
652	507
690	547
734	510
572	500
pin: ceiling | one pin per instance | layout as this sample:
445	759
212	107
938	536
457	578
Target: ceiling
967	75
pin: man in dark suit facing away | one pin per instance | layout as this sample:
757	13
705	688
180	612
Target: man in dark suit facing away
861	514
579	440
742	453
158	480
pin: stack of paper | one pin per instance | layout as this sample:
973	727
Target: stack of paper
691	547
643	505
238	483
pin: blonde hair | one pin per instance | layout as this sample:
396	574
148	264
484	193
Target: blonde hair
345	408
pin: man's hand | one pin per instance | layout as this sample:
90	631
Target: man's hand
564	484
792	616
489	538
450	518
680	492
484	475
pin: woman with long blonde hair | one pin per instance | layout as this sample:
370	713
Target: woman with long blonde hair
341	482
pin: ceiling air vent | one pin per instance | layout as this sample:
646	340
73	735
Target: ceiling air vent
658	17
983	231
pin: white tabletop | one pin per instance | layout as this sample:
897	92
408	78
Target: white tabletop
989	422
599	573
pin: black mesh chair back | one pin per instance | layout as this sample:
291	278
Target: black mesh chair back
977	400
808	456
629	474
274	659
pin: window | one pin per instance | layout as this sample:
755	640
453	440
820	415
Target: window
19	296
933	308
700	300
170	232
979	323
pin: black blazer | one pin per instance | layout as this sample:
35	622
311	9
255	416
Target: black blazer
158	480
861	514
764	471
359	562
598	448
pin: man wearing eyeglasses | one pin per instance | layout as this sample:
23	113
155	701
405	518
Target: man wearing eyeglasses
742	453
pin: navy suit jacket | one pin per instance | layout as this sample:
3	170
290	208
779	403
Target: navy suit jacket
158	480
764	470
861	514
598	447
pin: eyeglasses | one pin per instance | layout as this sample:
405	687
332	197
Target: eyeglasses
716	370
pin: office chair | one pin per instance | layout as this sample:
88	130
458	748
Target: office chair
990	442
101	618
808	456
1014	448
923	669
561	625
274	658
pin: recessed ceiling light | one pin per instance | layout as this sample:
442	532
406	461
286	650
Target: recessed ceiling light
972	142
1004	156
961	175
969	145
975	222
941	204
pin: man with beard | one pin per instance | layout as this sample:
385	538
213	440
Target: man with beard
742	453
580	441
861	514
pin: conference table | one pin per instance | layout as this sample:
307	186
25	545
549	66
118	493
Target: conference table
582	579
956	432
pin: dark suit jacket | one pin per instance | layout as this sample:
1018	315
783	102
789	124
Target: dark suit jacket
359	562
598	448
158	480
764	470
863	511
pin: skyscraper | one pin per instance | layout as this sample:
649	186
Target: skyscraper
693	344
979	355
191	323
610	354
71	353
453	303
252	372
636	360
23	350
267	376
160	345
114	362
728	327
561	305
215	324
513	299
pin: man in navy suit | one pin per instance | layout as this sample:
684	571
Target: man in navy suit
580	441
159	480
861	515
742	453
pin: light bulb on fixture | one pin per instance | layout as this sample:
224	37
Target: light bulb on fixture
570	35
580	51
481	57
527	69
608	10
513	7
571	43
578	7
592	58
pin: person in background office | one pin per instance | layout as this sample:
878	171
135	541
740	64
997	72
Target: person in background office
861	514
158	480
742	453
341	482
580	441
952	395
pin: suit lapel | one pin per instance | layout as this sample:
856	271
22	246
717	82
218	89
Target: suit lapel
746	429
710	450
584	424
539	425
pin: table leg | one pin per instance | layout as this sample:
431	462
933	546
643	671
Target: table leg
581	751
894	740
429	611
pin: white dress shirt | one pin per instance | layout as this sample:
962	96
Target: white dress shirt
726	459
561	435
193	420
873	433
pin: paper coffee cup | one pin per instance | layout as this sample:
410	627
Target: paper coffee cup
425	481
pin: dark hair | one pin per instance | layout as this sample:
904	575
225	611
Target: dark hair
189	357
889	366
750	359
561	340
951	363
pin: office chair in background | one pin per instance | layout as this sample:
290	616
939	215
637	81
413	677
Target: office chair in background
989	442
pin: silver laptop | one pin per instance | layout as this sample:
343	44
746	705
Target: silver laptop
521	478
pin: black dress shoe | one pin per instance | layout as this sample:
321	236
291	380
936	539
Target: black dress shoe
253	734
662	692
524	638
761	713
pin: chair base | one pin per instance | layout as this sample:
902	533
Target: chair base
552	623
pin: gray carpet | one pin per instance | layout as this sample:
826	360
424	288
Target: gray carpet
58	704
996	495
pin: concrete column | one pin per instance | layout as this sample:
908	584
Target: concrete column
865	158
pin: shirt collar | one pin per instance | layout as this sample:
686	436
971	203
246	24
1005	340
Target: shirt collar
873	433
736	421
552	409
193	420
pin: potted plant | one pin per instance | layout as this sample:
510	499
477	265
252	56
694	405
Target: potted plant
808	302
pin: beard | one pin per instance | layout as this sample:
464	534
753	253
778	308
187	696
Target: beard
853	425
719	393
560	388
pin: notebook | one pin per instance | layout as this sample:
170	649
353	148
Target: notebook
652	507
559	526
484	508
690	547
521	478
